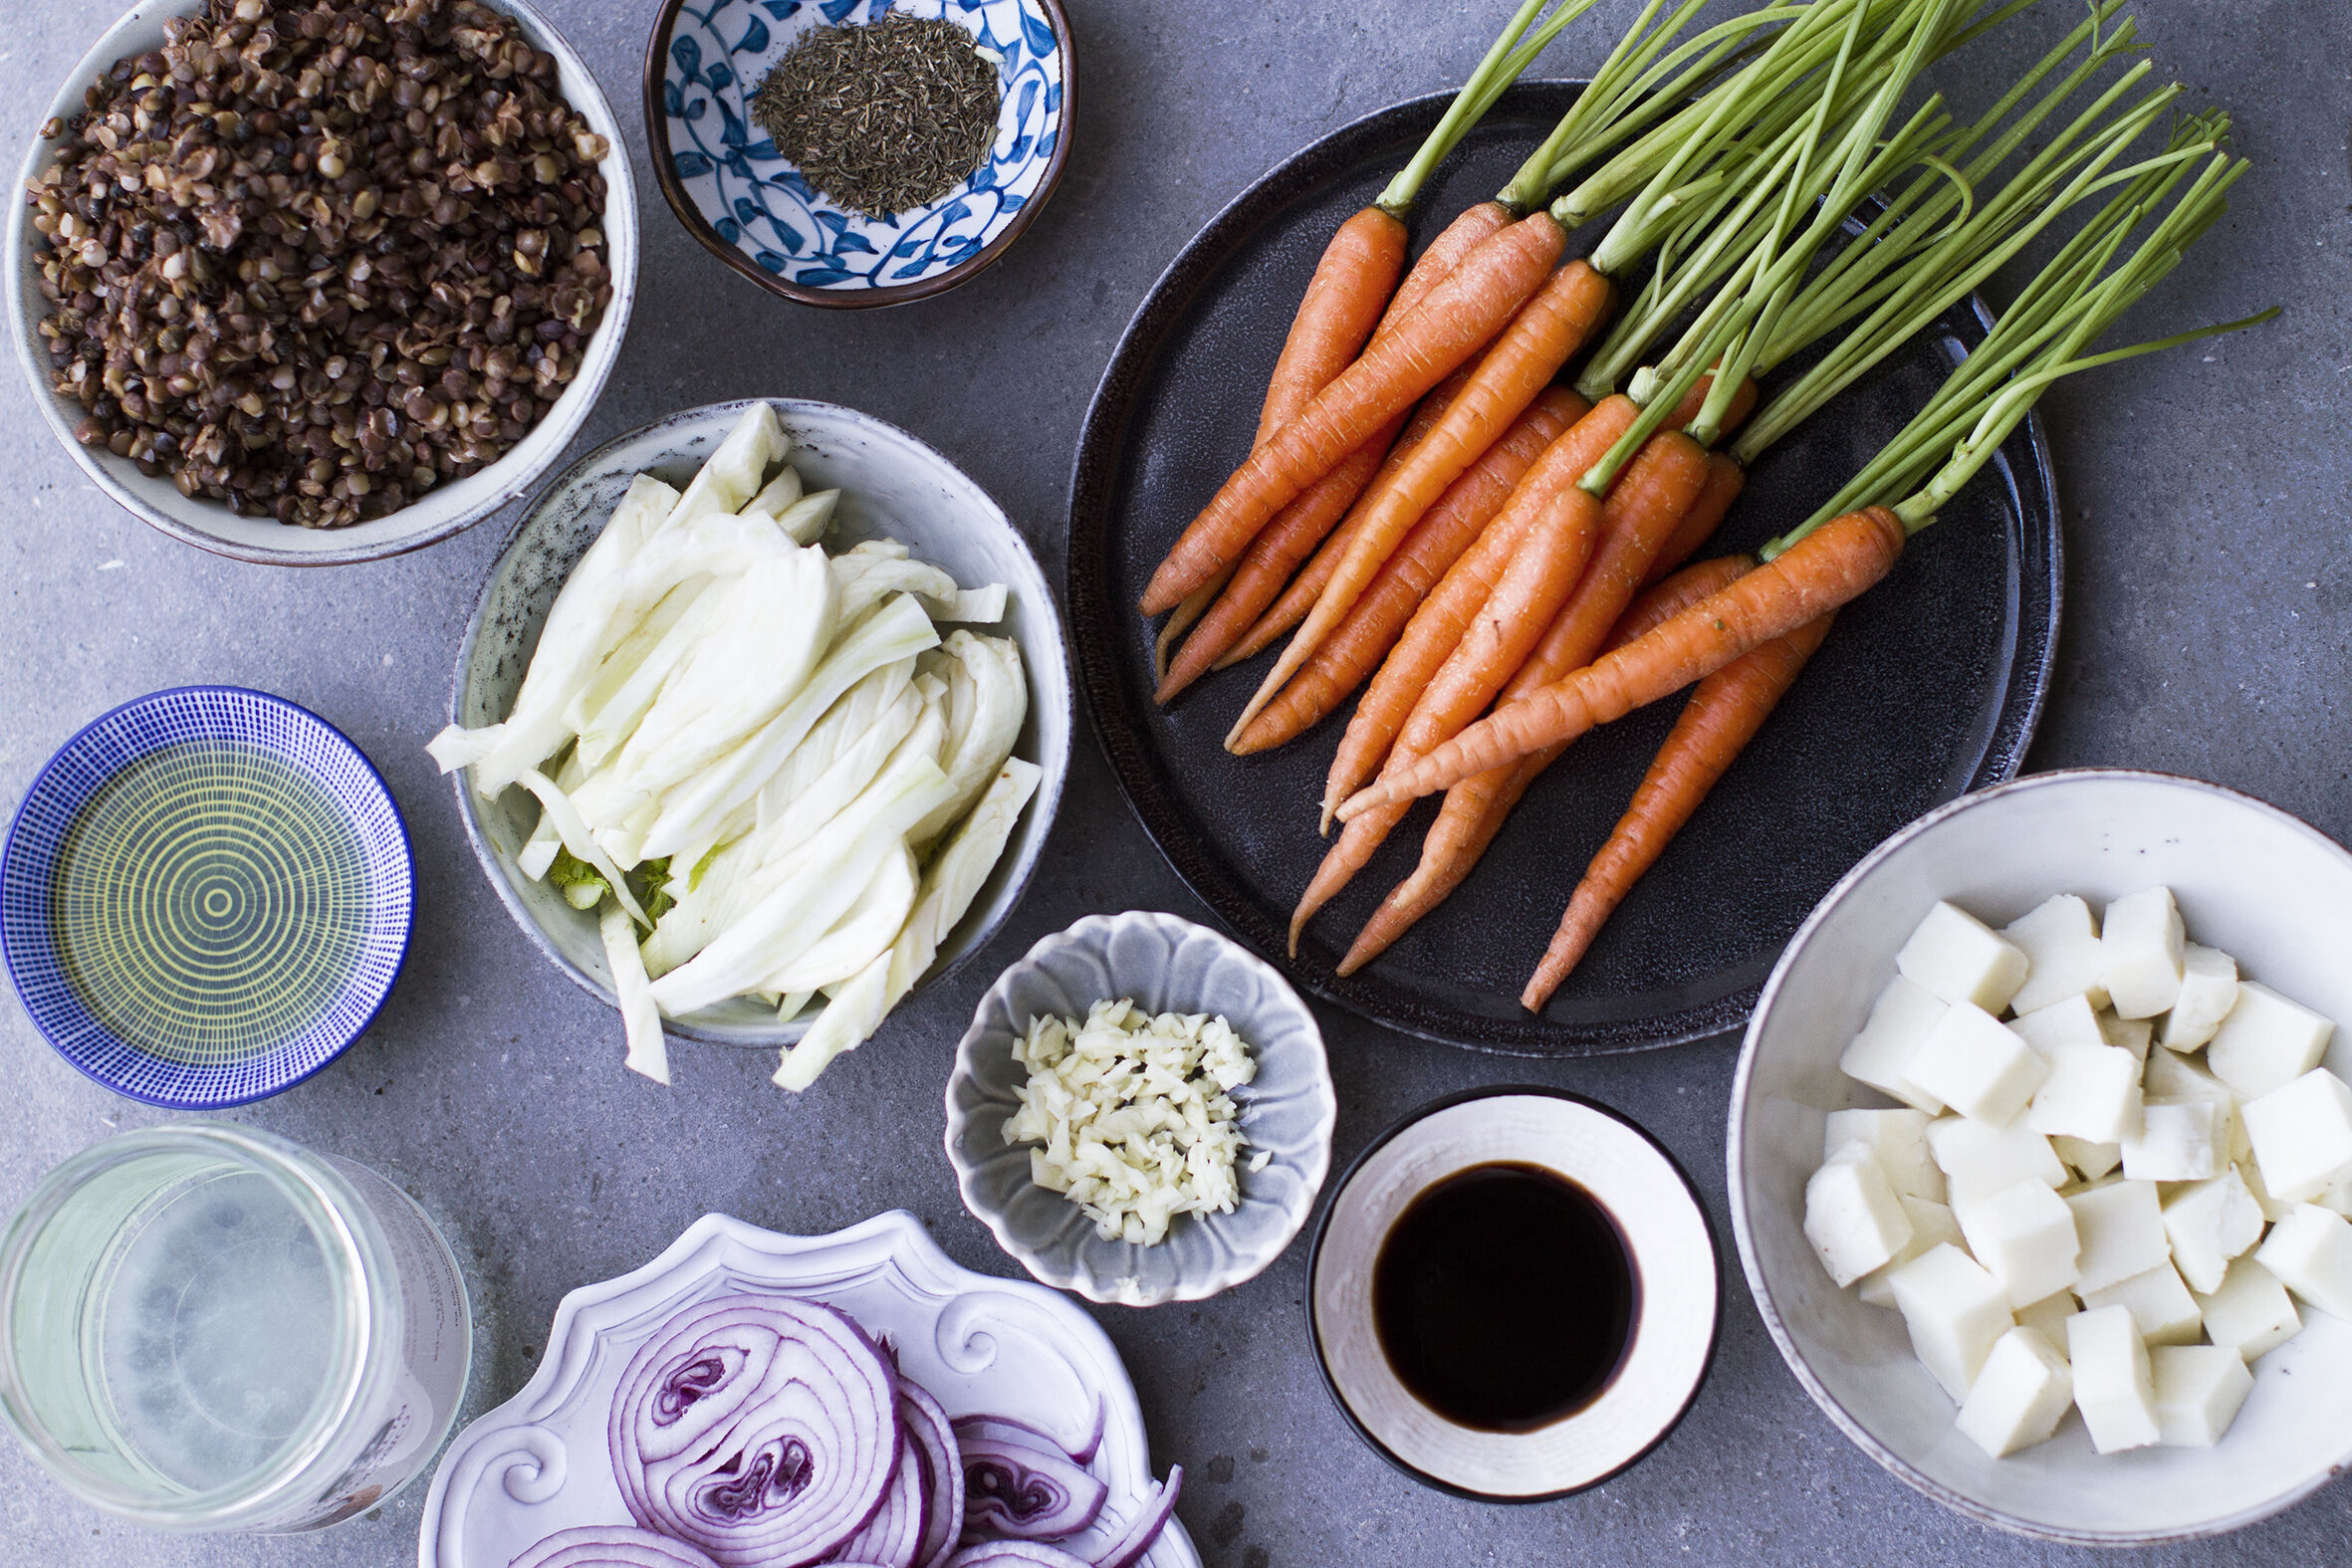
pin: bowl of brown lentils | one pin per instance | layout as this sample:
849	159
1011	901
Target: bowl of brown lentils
313	282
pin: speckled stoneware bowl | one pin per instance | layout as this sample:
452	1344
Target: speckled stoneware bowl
1163	965
435	516
892	484
2252	881
751	208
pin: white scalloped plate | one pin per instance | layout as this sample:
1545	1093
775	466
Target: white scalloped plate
540	1464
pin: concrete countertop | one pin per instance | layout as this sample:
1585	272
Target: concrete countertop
2207	631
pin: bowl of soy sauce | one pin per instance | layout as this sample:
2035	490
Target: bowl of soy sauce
1514	1294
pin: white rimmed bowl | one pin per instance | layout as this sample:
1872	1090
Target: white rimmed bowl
1163	965
2252	881
892	484
440	512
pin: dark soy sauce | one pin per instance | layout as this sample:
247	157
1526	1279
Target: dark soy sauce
1504	1297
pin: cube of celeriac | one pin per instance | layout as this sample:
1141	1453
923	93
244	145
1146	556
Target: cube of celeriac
1851	1215
2198	1391
2024	1237
1977	1160
2267	1041
2337	1197
2142	936
2089	1160
2180	1140
1932	1226
2092	1093
2060	941
2121	1228
2048	1317
2274	1209
2018	1398
2209	989
2301	1135
2113	1386
1899	1141
1956	1313
1958	957
2311	1252
2067	1022
2160	1304
2210	1222
2170	1075
1977	1065
2132	1035
1899	1021
2250	1313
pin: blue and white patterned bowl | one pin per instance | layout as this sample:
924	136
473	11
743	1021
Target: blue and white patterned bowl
205	897
1163	965
751	209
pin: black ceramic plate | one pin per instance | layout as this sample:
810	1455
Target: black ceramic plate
1929	687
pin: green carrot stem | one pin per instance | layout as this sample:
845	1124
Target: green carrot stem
1478	95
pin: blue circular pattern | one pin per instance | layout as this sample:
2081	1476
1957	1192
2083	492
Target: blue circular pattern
369	947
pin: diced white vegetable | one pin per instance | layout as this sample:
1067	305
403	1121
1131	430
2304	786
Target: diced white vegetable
2210	1222
2142	940
804	521
1956	1313
1957	959
1932	1226
2132	1035
2060	941
2209	989
2070	1020
2169	1075
2113	1386
2092	1093
1975	1065
2089	1160
2121	1228
2160	1304
2048	1317
1977	1161
2025	1237
2249	1171
2250	1313
1851	1215
1900	1020
2016	1401
2198	1388
648	1049
1898	1140
2311	1252
2180	1140
986	708
2267	1041
2302	1135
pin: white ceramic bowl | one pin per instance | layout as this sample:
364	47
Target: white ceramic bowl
892	484
2252	881
1163	965
441	512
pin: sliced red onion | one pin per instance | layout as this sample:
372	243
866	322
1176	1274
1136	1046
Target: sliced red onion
1025	1490
1136	1539
761	1428
1022	1432
611	1546
933	1439
893	1537
1016	1554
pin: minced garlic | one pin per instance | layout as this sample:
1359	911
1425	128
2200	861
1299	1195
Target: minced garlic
1132	1115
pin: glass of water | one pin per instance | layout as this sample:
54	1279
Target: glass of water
204	1327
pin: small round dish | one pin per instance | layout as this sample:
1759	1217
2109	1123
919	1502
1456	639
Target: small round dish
749	206
1163	965
2251	880
445	510
205	897
892	484
1678	1292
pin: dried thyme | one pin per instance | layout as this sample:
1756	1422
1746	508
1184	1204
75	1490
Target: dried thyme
882	118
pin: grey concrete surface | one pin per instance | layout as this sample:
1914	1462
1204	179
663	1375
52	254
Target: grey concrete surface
2208	632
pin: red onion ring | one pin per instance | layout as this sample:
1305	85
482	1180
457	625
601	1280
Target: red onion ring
1016	1554
1036	1436
1024	1490
1128	1549
893	1537
933	1439
611	1546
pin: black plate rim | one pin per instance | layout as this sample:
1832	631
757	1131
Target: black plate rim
2038	593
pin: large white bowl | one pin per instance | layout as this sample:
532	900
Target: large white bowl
2251	880
892	484
443	510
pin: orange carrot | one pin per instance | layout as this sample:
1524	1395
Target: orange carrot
1825	569
1351	286
1723	715
1456	319
1725	480
1421	561
1180	619
1472	816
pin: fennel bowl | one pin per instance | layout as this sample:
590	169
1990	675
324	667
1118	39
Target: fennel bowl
892	484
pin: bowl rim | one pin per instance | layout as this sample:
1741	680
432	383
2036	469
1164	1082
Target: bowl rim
1742	1231
596	367
1045	804
1085	930
10	958
657	146
1388	1135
